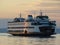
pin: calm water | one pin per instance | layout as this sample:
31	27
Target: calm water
7	39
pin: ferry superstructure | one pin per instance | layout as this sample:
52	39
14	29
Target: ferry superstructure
40	25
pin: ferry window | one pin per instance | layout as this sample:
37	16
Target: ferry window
35	23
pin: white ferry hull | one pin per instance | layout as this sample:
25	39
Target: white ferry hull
29	30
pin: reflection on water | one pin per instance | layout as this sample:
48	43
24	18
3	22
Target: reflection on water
17	40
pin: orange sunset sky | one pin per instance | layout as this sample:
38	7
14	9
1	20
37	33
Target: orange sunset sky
12	8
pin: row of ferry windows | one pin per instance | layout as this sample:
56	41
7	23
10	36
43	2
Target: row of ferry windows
18	27
16	30
16	24
31	24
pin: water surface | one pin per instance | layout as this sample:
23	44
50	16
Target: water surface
7	39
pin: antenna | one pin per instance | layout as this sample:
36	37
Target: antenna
40	12
20	15
34	14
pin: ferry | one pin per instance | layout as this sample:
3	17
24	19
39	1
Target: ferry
39	25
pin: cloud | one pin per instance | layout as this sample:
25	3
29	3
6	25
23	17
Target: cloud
51	0
54	6
49	3
55	0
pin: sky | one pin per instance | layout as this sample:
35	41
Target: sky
12	8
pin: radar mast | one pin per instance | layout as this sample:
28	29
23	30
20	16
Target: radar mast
40	13
20	15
